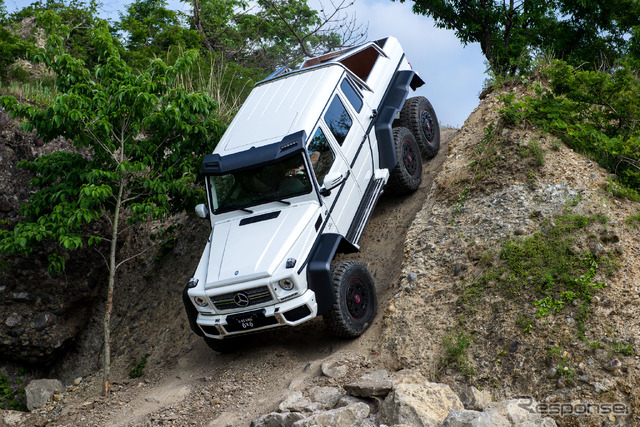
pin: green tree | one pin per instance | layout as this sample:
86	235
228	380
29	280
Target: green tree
268	33
510	32
150	29
76	18
138	138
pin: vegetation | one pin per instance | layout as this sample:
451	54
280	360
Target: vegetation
547	271
510	34
138	369
593	112
10	397
146	137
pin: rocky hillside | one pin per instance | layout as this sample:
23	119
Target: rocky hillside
478	310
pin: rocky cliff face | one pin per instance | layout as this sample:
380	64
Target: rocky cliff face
40	314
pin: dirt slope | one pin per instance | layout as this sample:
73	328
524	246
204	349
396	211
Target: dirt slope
426	252
186	383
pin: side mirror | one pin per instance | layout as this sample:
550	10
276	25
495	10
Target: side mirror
331	181
202	211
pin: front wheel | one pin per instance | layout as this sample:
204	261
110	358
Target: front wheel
407	175
356	300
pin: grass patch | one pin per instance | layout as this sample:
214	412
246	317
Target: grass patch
455	343
138	369
12	397
633	220
546	271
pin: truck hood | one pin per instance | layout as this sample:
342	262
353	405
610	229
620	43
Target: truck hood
253	246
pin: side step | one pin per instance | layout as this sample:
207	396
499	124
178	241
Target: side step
371	196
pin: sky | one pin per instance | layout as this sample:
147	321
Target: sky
454	74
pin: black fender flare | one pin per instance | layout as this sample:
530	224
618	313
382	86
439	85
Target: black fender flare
391	104
192	312
319	268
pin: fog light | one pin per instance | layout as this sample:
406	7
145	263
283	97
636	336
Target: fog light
201	301
286	284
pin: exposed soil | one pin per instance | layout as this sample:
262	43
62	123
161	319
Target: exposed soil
423	251
185	382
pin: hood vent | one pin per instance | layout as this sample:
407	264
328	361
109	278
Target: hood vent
259	218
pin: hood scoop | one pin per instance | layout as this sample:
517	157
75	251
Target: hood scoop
259	218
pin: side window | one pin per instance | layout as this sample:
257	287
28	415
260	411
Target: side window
321	155
352	95
338	120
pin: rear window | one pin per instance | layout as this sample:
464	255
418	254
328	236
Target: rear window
352	95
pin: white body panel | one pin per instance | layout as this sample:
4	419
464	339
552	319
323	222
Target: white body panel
251	259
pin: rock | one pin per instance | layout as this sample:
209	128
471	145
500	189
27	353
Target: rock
467	418
296	402
347	416
412	277
77	381
604	385
333	369
13	320
551	373
44	320
597	250
426	404
39	391
376	384
328	397
277	419
613	365
520	412
15	418
474	399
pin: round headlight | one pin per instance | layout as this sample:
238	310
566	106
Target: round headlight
286	284
201	301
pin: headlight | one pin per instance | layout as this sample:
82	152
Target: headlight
286	284
201	301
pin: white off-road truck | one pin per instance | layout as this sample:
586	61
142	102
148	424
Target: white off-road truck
293	182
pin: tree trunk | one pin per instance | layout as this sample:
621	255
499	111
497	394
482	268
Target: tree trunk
112	278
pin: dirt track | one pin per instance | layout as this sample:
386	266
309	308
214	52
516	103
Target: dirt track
200	387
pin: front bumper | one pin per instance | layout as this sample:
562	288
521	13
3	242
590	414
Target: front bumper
289	313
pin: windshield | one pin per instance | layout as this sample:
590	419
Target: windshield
273	182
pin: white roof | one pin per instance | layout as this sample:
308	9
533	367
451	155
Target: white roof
281	107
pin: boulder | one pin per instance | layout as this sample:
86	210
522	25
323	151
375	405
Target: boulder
474	399
468	418
520	412
277	419
426	404
376	384
296	402
39	391
347	416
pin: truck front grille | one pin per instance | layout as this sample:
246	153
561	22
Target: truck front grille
242	299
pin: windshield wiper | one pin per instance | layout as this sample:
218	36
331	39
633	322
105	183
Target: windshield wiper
276	199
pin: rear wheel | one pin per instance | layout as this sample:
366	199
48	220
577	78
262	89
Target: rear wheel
407	175
419	117
356	300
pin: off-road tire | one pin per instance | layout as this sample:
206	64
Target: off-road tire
356	302
420	118
407	175
227	345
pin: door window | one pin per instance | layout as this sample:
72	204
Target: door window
321	155
338	120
